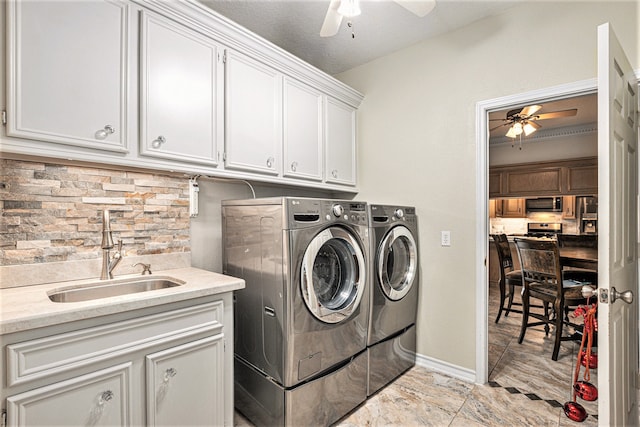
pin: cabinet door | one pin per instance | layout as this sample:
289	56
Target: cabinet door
180	92
185	384
101	398
513	208
340	143
302	131
67	75
253	115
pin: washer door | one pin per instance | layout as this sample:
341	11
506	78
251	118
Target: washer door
333	275
397	262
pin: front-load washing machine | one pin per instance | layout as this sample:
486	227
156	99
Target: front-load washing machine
391	340
301	321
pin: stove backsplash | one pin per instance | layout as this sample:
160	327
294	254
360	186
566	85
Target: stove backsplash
514	226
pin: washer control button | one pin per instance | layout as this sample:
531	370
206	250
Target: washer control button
399	213
337	210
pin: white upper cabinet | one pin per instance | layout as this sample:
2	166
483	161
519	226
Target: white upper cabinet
181	101
340	146
67	74
303	131
253	115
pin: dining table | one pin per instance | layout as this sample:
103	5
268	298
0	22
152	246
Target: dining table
579	257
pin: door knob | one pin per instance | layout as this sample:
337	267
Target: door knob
626	296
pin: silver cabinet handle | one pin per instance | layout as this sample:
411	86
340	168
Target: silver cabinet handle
104	132
294	166
270	162
334	173
105	397
169	373
156	143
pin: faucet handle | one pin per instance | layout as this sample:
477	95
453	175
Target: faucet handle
146	268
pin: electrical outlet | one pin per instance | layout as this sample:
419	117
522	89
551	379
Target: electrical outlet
445	238
193	198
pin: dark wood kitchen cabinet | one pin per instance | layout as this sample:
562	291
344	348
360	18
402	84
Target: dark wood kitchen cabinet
513	208
559	178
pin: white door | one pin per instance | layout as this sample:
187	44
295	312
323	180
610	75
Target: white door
340	157
617	240
303	133
67	76
253	115
181	92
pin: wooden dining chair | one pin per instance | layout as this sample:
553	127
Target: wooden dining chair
542	280
509	277
579	241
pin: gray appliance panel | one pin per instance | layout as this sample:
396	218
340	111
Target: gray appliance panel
320	402
253	248
390	358
388	317
275	332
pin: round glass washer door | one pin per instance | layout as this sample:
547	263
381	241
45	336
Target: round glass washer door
333	275
397	259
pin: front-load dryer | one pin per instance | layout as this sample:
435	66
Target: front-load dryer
301	321
391	339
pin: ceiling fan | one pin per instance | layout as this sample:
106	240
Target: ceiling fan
350	8
523	120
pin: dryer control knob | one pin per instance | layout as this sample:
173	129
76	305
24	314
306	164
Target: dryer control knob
399	213
337	210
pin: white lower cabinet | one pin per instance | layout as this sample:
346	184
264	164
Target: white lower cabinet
101	398
163	369
178	393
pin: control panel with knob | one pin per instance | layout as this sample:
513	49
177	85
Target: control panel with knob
399	213
337	210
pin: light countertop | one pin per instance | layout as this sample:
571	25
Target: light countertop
29	307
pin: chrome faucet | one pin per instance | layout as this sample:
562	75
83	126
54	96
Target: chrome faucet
109	261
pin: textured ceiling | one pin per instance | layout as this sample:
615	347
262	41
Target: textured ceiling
382	28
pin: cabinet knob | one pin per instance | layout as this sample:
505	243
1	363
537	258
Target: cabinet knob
105	397
294	166
270	162
169	373
334	173
156	143
104	132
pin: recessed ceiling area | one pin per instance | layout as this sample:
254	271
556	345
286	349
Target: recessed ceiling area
383	26
585	120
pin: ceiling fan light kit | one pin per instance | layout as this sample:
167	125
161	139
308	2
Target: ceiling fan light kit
350	8
523	120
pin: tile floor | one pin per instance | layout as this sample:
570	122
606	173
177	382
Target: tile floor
525	387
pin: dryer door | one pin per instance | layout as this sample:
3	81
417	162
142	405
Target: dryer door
333	275
397	262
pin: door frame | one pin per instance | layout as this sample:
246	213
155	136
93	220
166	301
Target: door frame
569	90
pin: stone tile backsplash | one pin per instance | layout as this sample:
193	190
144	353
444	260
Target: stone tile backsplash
53	212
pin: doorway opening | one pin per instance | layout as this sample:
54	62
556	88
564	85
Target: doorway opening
486	110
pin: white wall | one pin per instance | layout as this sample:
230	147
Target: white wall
206	228
417	142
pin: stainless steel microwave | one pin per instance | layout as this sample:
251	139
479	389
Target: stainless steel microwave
544	204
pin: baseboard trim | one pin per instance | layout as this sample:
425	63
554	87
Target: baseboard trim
455	371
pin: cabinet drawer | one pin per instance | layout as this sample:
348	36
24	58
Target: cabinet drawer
39	358
101	398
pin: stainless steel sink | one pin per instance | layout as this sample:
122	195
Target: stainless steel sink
112	288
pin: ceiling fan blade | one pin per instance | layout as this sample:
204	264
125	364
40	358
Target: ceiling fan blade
418	7
534	124
556	114
495	120
498	127
531	109
332	20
